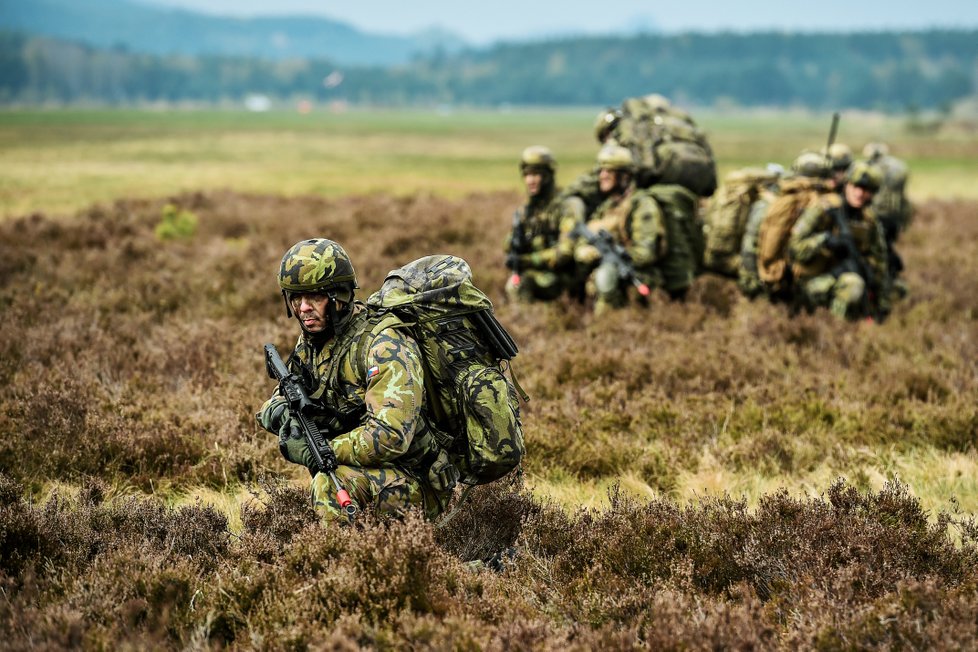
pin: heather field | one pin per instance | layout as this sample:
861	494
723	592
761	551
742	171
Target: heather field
703	476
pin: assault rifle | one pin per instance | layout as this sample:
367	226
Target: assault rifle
517	245
855	262
324	460
613	253
833	130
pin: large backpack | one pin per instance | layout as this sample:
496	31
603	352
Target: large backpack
473	406
772	240
726	217
890	202
668	146
681	211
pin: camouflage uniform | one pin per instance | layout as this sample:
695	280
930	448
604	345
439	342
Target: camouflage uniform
894	209
367	389
655	241
546	267
658	249
831	280
371	391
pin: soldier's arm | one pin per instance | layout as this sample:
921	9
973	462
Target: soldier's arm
648	232
808	235
393	396
569	212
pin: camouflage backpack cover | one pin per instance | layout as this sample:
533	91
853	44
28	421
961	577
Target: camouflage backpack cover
670	149
473	406
772	240
726	217
681	208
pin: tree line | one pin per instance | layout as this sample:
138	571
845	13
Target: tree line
878	70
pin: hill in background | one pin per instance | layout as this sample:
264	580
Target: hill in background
119	52
149	29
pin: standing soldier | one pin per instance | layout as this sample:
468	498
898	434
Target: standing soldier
653	247
837	250
540	249
368	390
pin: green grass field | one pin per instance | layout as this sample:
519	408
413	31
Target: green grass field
63	160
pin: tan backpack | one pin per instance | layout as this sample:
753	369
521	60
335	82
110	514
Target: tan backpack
772	241
726	217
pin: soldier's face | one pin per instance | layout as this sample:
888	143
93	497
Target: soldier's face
311	310
533	181
857	196
607	180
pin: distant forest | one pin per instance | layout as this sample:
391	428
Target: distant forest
880	70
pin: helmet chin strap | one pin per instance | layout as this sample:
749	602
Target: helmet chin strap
622	181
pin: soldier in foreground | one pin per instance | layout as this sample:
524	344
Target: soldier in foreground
365	376
540	248
838	253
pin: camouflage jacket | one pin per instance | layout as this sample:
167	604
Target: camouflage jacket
637	223
806	246
546	223
370	389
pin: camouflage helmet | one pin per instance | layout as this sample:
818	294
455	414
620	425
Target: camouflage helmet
874	151
811	164
537	158
605	122
865	175
616	157
315	265
840	156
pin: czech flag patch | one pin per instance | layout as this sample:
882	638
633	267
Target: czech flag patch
373	371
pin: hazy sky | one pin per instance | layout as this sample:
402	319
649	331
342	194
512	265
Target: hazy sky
484	22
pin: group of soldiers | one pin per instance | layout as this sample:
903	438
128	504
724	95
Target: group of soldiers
649	216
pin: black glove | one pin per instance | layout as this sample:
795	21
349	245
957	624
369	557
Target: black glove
837	245
512	261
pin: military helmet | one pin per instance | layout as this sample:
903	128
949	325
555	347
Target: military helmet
840	156
536	158
657	102
811	164
865	175
616	157
875	150
315	265
605	122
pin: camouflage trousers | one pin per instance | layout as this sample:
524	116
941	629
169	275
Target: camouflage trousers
536	285
608	291
843	295
387	490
